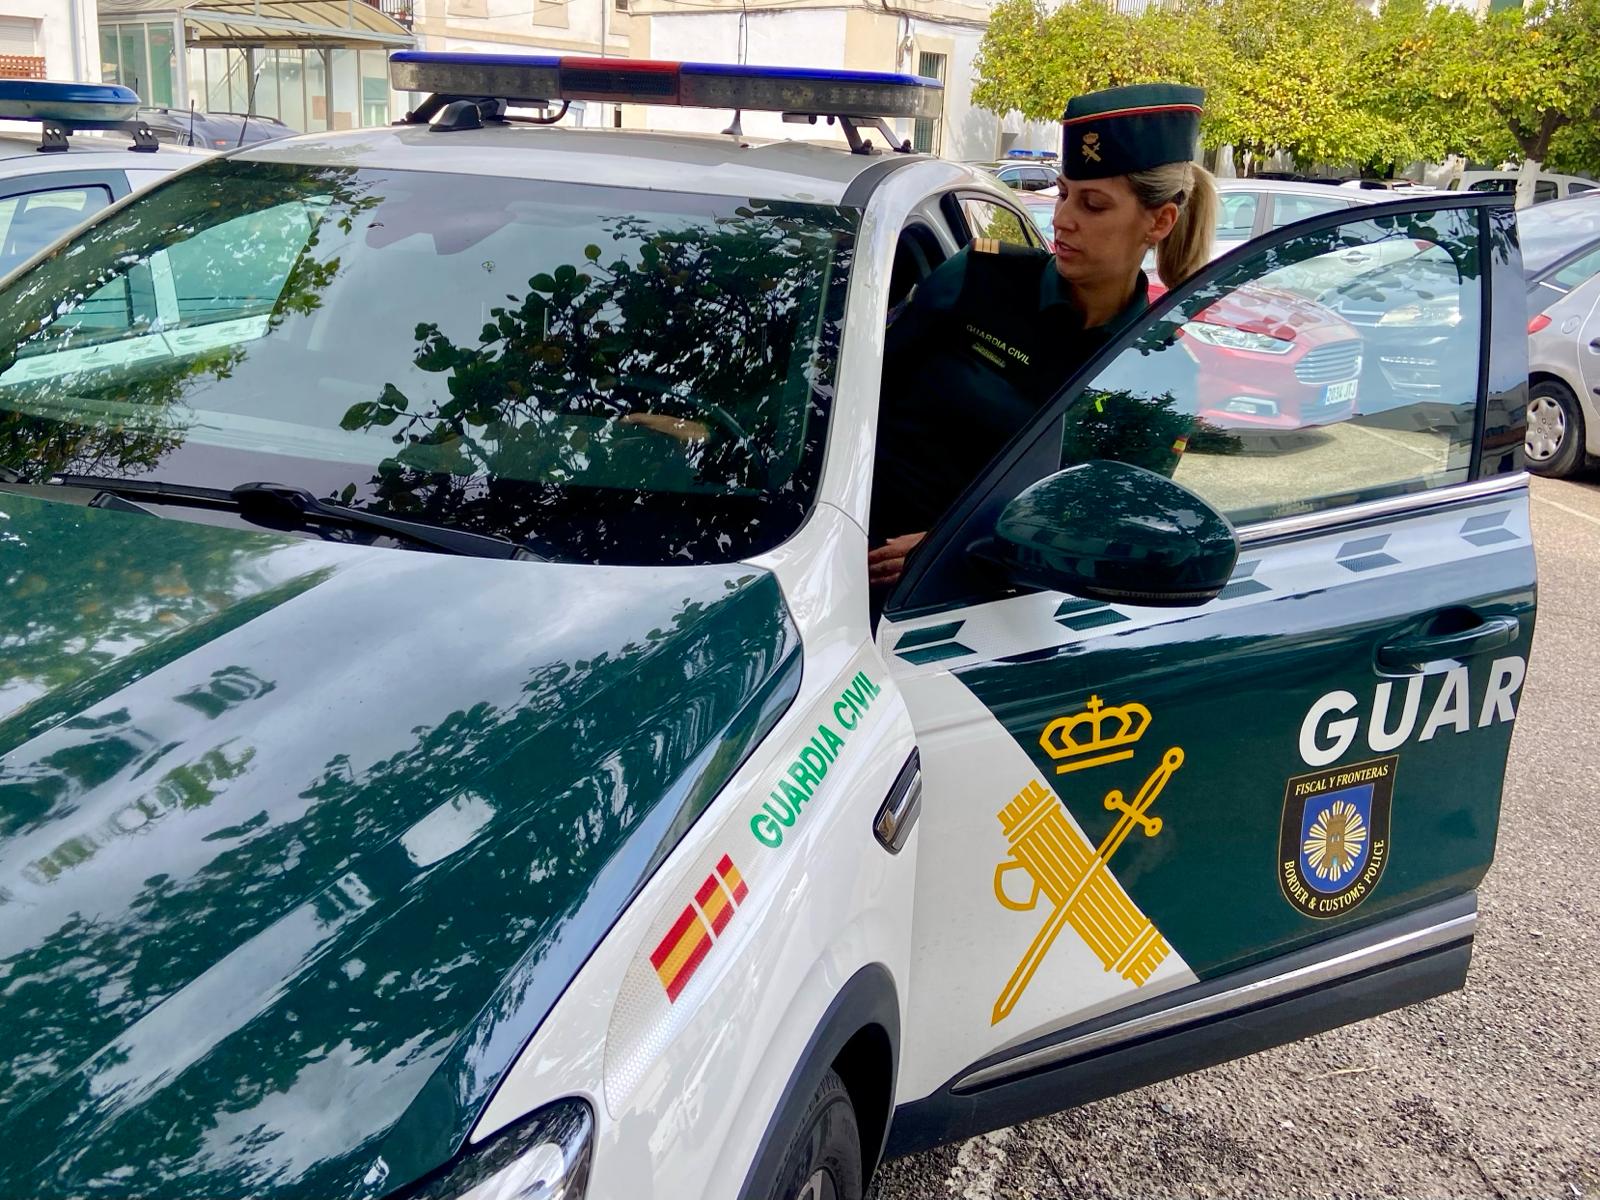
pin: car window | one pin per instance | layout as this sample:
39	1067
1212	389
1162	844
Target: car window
1236	215
986	219
1268	400
1493	185
30	222
627	376
1550	232
1544	189
1286	210
1578	271
1574	188
1043	217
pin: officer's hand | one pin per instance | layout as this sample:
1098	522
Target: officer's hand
684	431
887	563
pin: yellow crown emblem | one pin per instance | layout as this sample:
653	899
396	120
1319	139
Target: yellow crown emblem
1097	735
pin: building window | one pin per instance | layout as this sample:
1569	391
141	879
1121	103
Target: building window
141	57
374	88
19	49
925	133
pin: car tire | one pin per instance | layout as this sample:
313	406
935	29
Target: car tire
823	1159
1555	437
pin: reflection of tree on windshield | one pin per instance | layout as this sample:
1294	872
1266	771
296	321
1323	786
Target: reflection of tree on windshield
716	325
232	247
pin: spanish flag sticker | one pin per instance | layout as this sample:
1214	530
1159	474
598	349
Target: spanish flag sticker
689	940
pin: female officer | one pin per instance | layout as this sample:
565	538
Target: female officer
993	334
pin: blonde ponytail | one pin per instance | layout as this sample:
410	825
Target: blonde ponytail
1190	186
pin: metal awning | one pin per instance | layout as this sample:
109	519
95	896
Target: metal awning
272	22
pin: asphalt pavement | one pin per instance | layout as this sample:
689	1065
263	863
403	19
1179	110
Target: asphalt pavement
1493	1091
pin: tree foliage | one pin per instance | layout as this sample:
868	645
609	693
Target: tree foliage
1326	81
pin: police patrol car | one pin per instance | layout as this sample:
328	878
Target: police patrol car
50	182
448	748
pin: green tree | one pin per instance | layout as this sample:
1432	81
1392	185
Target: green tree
1537	70
1292	75
1413	73
1289	75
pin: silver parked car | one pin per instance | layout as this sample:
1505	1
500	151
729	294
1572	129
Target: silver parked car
1561	258
1248	208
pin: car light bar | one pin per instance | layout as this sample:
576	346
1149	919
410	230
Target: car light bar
71	103
543	78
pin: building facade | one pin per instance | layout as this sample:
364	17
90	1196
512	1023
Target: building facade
595	28
935	38
48	39
312	64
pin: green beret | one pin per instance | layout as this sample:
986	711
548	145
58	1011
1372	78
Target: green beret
1126	129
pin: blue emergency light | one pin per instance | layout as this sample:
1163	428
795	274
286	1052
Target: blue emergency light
542	79
41	100
63	108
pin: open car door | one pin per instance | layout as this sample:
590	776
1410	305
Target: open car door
1158	833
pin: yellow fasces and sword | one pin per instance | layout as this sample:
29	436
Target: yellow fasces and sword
1075	880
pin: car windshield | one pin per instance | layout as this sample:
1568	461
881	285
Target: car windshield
608	375
1550	232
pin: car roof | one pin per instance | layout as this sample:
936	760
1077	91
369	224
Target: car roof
1514	173
19	153
1294	187
1557	231
699	163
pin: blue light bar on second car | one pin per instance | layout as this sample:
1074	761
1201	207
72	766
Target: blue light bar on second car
82	103
542	78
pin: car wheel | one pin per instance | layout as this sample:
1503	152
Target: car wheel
1555	430
823	1161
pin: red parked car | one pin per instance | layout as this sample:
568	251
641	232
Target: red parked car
1271	361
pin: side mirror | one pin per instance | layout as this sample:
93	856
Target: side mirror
1110	531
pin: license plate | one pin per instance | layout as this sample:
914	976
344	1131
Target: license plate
1340	393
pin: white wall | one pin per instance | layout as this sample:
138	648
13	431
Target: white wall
55	41
797	38
817	38
522	26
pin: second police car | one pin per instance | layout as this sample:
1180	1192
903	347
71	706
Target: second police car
51	181
448	750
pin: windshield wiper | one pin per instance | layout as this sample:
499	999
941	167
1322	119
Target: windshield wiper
284	506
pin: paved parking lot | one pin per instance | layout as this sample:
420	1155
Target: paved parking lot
1489	1092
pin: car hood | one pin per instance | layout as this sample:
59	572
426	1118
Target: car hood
299	841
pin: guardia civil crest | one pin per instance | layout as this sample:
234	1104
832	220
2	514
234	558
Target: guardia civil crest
1333	843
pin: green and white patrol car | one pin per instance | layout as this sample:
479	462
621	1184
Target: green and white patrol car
450	749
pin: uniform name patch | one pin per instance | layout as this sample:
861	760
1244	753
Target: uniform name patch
1333	843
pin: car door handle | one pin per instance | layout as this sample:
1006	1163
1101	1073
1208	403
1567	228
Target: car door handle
1411	652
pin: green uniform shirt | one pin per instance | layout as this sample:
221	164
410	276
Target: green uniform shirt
987	340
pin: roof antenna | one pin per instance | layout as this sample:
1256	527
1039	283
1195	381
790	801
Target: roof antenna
191	120
736	129
250	101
